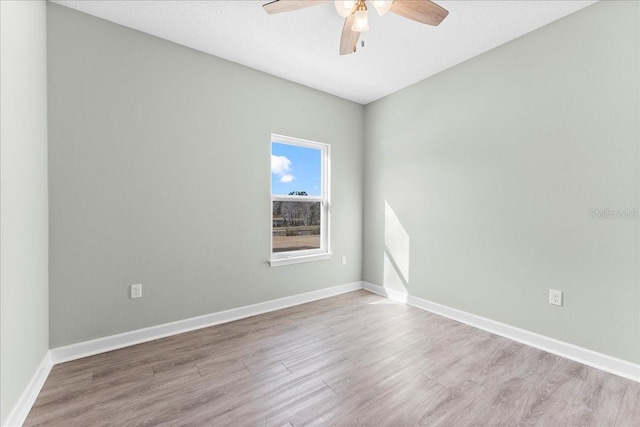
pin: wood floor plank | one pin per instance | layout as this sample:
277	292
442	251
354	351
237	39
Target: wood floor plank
507	391
598	401
448	404
356	359
306	395
462	359
548	403
629	414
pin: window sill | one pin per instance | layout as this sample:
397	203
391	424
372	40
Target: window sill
278	262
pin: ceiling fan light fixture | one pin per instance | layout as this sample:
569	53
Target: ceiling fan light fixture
357	18
344	7
382	6
361	23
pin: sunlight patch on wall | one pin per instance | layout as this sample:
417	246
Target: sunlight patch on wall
396	252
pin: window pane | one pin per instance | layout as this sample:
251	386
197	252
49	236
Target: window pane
295	170
296	226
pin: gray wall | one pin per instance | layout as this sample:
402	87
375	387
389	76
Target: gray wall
24	304
492	168
159	174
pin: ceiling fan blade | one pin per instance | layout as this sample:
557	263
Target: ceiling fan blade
349	38
279	6
424	11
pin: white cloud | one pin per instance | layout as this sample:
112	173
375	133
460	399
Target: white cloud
280	165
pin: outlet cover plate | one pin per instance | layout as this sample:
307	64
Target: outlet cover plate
136	291
555	297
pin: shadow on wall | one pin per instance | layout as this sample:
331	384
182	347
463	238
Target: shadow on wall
396	253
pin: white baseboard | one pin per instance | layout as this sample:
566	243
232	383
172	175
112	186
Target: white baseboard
20	411
113	342
582	355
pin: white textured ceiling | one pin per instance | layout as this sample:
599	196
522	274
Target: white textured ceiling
302	46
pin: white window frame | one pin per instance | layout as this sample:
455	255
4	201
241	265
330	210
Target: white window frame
295	257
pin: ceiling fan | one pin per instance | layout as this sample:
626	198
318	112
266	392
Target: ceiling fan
355	12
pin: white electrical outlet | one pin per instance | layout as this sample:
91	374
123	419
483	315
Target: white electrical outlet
555	297
344	260
136	291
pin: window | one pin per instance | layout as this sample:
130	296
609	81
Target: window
299	201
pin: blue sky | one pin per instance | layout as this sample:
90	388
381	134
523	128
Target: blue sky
295	168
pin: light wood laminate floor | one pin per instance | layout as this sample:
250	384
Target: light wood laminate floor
355	359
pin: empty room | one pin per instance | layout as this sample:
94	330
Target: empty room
328	213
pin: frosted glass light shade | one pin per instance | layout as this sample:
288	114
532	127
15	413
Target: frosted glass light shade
382	6
361	23
344	7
